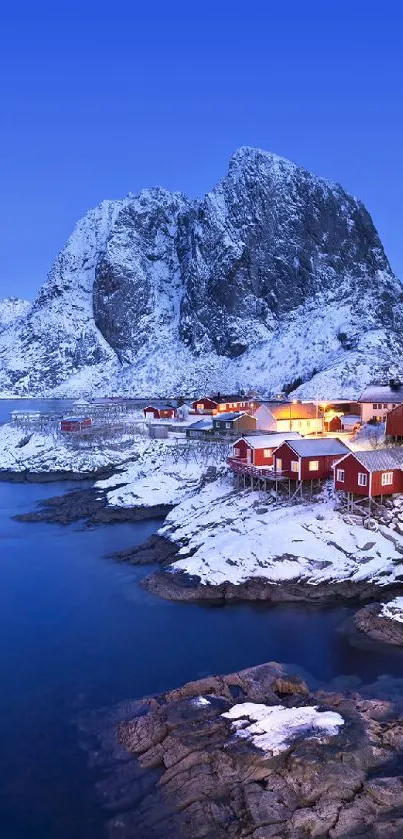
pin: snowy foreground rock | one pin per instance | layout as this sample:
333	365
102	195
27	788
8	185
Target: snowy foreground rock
276	277
255	753
231	545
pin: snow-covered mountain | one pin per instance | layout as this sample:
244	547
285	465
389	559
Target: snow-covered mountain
11	309
274	277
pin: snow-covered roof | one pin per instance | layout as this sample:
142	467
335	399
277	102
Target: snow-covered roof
268	441
228	417
379	459
203	423
75	419
159	408
350	419
382	393
319	446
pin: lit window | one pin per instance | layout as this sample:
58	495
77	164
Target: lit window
267	452
294	466
308	422
362	479
279	464
200	406
340	475
313	465
387	479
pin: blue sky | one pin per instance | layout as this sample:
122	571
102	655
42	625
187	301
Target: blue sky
98	100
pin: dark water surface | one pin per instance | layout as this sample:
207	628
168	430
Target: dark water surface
77	633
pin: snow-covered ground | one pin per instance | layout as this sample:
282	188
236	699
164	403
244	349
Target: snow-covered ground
393	610
166	472
149	472
41	451
224	536
273	728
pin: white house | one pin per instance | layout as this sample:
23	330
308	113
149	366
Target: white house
377	400
305	418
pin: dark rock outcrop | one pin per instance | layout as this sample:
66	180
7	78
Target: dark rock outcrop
377	627
156	293
89	505
181	772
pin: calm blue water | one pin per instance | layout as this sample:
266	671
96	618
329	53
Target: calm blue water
77	633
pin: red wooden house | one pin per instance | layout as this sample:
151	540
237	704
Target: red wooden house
308	459
159	412
394	423
370	473
221	404
75	423
332	422
258	450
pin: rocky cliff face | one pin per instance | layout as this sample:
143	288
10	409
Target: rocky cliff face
11	309
275	276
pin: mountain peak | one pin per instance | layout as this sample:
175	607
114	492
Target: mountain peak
275	278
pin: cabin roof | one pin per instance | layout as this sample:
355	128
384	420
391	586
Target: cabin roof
207	422
268	441
321	446
380	459
160	407
228	417
382	393
221	399
75	419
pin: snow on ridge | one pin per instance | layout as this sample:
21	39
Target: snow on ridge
273	728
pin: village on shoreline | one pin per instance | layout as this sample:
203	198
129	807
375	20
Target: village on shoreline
276	499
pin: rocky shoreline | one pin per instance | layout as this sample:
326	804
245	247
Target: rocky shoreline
88	504
28	476
174	584
378	627
175	768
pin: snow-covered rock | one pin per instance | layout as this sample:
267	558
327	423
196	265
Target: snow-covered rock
228	537
275	277
273	728
393	610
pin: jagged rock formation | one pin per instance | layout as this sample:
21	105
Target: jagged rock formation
275	277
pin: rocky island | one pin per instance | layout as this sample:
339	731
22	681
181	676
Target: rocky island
256	753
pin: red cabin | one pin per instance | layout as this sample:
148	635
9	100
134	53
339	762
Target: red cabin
332	423
159	412
394	423
75	423
370	473
308	459
258	450
204	405
221	404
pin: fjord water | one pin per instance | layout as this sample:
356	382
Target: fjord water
77	632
